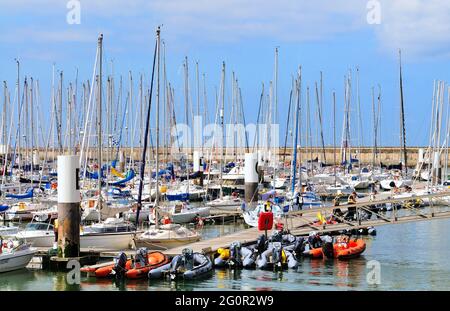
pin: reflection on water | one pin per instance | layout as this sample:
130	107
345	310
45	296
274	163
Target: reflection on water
412	257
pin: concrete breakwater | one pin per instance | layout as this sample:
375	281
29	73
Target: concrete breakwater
330	155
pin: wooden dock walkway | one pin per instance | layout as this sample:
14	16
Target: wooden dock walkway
301	223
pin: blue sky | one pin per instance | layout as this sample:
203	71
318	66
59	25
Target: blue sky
330	36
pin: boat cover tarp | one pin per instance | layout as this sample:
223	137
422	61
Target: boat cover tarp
117	173
191	176
44	181
129	176
266	196
27	195
94	175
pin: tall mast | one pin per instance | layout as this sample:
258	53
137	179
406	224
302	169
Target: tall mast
360	128
186	101
18	110
157	120
4	126
319	113
144	149
222	111
275	115
60	113
308	130
130	131
374	130
31	125
334	136
5	142
295	144
99	119
402	115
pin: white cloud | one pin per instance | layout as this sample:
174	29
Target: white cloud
292	20
420	27
41	36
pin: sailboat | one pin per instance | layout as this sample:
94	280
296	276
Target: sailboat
181	212
158	236
166	236
112	234
399	179
229	203
186	192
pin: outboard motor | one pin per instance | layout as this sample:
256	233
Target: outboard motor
182	263
299	247
314	240
188	258
277	255
277	236
327	247
141	257
235	259
289	238
261	245
120	262
177	262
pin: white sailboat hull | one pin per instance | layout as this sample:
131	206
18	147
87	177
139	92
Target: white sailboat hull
110	241
163	244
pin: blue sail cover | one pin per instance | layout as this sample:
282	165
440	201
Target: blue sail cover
161	172
4	208
94	175
266	196
27	195
129	176
177	197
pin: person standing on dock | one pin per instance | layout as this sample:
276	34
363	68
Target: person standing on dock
55	229
337	211
351	211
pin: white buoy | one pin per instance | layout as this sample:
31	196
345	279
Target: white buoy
251	177
68	206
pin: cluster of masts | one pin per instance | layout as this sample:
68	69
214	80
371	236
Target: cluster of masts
77	125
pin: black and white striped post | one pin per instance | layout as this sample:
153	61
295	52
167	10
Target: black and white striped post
68	206
251	177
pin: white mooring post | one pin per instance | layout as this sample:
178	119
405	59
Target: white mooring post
251	177
198	165
68	206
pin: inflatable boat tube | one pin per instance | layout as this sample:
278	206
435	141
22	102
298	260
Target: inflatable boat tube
155	260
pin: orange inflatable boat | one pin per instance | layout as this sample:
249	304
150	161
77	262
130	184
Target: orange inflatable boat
352	249
155	260
340	250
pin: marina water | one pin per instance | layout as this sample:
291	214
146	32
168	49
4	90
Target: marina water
412	256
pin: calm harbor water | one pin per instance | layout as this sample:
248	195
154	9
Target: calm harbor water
412	256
